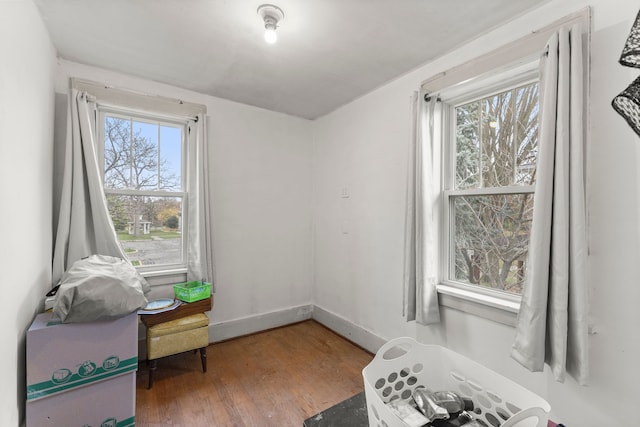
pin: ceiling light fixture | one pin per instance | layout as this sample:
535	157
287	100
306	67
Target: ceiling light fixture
271	15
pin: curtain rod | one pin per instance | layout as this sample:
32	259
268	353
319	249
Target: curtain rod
526	46
118	98
155	114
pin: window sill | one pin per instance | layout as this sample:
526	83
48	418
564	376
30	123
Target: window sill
165	277
497	309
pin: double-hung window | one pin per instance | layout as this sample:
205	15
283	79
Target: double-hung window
490	145
144	173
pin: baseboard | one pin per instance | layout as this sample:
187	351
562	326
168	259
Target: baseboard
346	328
261	322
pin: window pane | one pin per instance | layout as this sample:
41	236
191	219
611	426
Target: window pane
526	134
149	228
145	160
142	155
491	239
497	136
467	146
117	152
171	158
496	133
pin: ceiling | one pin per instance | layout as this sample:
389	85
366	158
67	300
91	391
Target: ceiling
329	52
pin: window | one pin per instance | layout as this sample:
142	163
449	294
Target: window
490	150
143	161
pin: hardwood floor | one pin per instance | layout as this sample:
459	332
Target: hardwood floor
275	378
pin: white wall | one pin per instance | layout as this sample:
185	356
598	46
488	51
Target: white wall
265	173
362	147
261	176
26	128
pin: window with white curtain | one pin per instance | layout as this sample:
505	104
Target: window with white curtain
490	145
144	175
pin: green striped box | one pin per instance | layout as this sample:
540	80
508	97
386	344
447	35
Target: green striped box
62	357
109	403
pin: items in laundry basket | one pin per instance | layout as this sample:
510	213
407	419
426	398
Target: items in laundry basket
443	408
472	423
428	406
464	419
452	402
408	413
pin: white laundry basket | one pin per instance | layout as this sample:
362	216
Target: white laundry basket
403	364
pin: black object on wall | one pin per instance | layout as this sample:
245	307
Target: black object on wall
627	103
631	52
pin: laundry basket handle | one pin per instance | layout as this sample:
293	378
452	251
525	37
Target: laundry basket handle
537	412
395	349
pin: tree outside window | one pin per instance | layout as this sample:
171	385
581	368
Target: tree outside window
493	176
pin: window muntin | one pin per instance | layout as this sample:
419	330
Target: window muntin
489	186
143	171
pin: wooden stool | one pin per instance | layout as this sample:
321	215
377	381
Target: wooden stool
177	336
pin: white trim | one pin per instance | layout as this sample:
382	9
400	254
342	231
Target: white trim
502	79
349	330
261	322
146	193
252	324
497	310
148	117
120	98
168	277
506	303
517	51
167	272
491	191
248	325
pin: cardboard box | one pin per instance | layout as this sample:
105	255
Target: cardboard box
109	403
62	357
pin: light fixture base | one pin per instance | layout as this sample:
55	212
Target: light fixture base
270	14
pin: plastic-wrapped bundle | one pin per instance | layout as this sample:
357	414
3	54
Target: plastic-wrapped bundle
99	287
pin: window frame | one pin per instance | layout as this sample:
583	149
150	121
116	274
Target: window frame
159	120
474	298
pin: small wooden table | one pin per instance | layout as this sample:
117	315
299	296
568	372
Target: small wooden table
183	310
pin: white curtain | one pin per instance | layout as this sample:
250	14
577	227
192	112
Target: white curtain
420	256
552	322
200	265
83	224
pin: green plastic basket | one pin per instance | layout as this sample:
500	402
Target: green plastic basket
192	291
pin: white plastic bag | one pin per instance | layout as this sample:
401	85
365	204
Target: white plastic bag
99	287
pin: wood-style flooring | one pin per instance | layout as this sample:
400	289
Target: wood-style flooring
278	377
